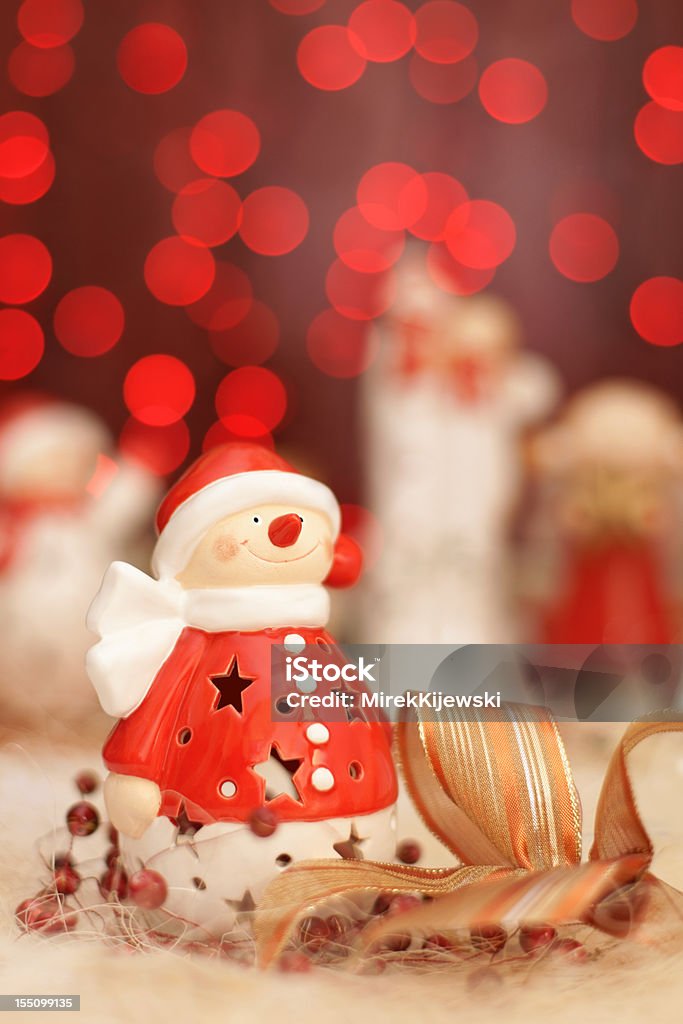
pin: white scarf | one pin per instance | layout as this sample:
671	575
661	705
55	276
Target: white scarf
139	620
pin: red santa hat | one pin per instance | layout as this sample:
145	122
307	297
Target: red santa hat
230	478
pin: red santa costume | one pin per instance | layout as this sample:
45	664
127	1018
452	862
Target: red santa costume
188	672
61	523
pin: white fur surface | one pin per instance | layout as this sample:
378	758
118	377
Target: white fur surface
628	985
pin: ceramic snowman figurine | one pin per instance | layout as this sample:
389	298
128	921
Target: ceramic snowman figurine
66	509
207	785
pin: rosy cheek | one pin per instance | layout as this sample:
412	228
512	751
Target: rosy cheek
225	548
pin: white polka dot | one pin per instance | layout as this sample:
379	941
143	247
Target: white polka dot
307	685
317	733
294	642
322	779
228	788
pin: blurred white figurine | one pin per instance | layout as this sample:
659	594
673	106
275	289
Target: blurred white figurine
444	408
66	509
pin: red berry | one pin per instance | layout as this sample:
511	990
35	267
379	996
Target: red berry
147	889
114	883
382	903
314	932
63	860
112	856
263	822
113	836
438	942
572	950
534	939
87	782
46	915
338	927
294	963
66	879
395	943
82	819
409	851
489	938
403	902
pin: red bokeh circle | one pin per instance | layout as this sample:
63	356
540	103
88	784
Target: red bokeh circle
24	144
177	272
226	303
663	76
25	268
453	277
296	7
207	212
513	91
446	31
329	58
442	83
173	164
274	221
159	390
251	401
152	58
659	133
392	196
382	30
657	310
225	143
251	341
340	347
21	343
444	194
364	247
218	433
584	247
161	450
48	23
19	191
37	72
480	234
605	20
89	321
358	296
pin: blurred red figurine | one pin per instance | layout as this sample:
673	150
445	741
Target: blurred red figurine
184	661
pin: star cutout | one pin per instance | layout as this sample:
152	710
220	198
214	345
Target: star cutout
353	714
185	825
348	849
231	685
243	907
278	774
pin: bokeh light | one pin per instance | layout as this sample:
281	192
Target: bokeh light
48	23
173	163
21	343
225	143
340	347
657	310
161	450
328	58
152	58
218	433
37	72
663	76
89	321
25	268
446	31
364	247
392	196
451	276
159	390
480	234
659	133
383	30
274	221
359	523
358	296
30	187
513	91
584	247
251	341
177	272
444	194
443	83
251	401
226	303
207	212
605	20
296	7
24	144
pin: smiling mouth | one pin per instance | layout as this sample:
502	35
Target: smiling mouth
281	561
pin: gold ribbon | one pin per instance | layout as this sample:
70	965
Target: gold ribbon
497	789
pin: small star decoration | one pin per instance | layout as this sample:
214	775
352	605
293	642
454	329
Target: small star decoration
231	685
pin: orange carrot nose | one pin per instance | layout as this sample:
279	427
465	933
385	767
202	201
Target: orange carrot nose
284	531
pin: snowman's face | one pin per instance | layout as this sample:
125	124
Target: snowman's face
269	544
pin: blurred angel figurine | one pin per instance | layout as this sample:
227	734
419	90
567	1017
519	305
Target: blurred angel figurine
611	469
66	509
444	409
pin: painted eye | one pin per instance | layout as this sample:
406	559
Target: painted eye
257	520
